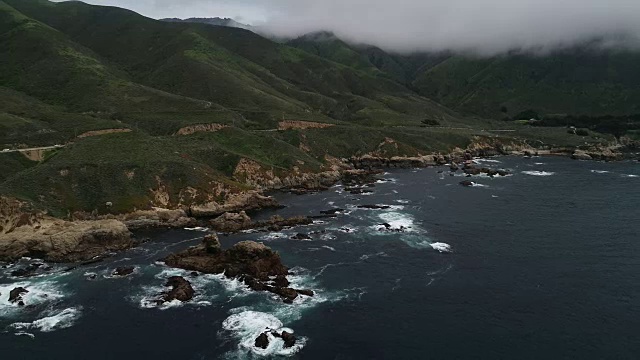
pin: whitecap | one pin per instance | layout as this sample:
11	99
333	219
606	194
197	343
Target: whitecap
538	173
369	256
198	228
39	293
274	236
441	247
329	248
246	326
397	220
401	201
600	171
62	320
488	161
630	175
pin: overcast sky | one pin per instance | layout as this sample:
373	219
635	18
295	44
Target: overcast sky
407	25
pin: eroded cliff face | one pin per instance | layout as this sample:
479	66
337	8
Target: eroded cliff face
26	232
302	125
253	174
188	130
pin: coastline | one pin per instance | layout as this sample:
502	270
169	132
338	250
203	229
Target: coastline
25	232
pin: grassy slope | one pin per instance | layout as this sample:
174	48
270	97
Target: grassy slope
576	81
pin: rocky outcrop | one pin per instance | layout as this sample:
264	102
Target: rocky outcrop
472	170
250	200
157	218
124	271
235	222
254	263
377	162
581	155
231	222
102	132
467	183
181	290
262	341
15	295
65	241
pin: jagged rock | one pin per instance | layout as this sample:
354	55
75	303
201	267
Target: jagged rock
181	290
454	167
231	222
15	295
211	244
124	271
472	171
288	294
262	341
289	339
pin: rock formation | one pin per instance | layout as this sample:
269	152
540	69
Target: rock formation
181	290
254	263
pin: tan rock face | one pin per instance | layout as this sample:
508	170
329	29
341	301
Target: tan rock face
14	214
103	132
301	125
188	130
65	241
250	200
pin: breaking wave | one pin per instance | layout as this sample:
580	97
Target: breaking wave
62	320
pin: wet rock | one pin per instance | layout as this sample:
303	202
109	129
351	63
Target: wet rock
15	295
467	183
289	339
124	271
253	263
181	290
454	167
374	207
332	211
301	236
305	292
288	294
27	271
281	281
472	171
358	191
262	341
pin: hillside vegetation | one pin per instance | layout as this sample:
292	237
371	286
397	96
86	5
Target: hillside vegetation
163	113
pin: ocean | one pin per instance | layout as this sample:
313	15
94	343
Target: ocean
544	263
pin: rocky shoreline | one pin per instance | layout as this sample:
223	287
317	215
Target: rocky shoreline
28	233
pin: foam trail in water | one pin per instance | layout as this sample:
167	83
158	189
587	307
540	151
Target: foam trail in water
538	173
201	229
62	320
441	247
600	171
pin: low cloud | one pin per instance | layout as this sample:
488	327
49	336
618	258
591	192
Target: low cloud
485	26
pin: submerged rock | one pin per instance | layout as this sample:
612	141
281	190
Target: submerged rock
467	183
301	236
374	207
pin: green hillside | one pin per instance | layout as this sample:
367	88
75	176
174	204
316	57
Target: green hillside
162	113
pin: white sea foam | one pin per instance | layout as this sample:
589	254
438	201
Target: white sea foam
201	229
441	247
538	173
39	293
539	163
488	161
600	171
62	320
246	326
329	248
274	236
397	221
403	201
630	175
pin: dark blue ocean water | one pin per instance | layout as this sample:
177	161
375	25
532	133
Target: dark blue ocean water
541	264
